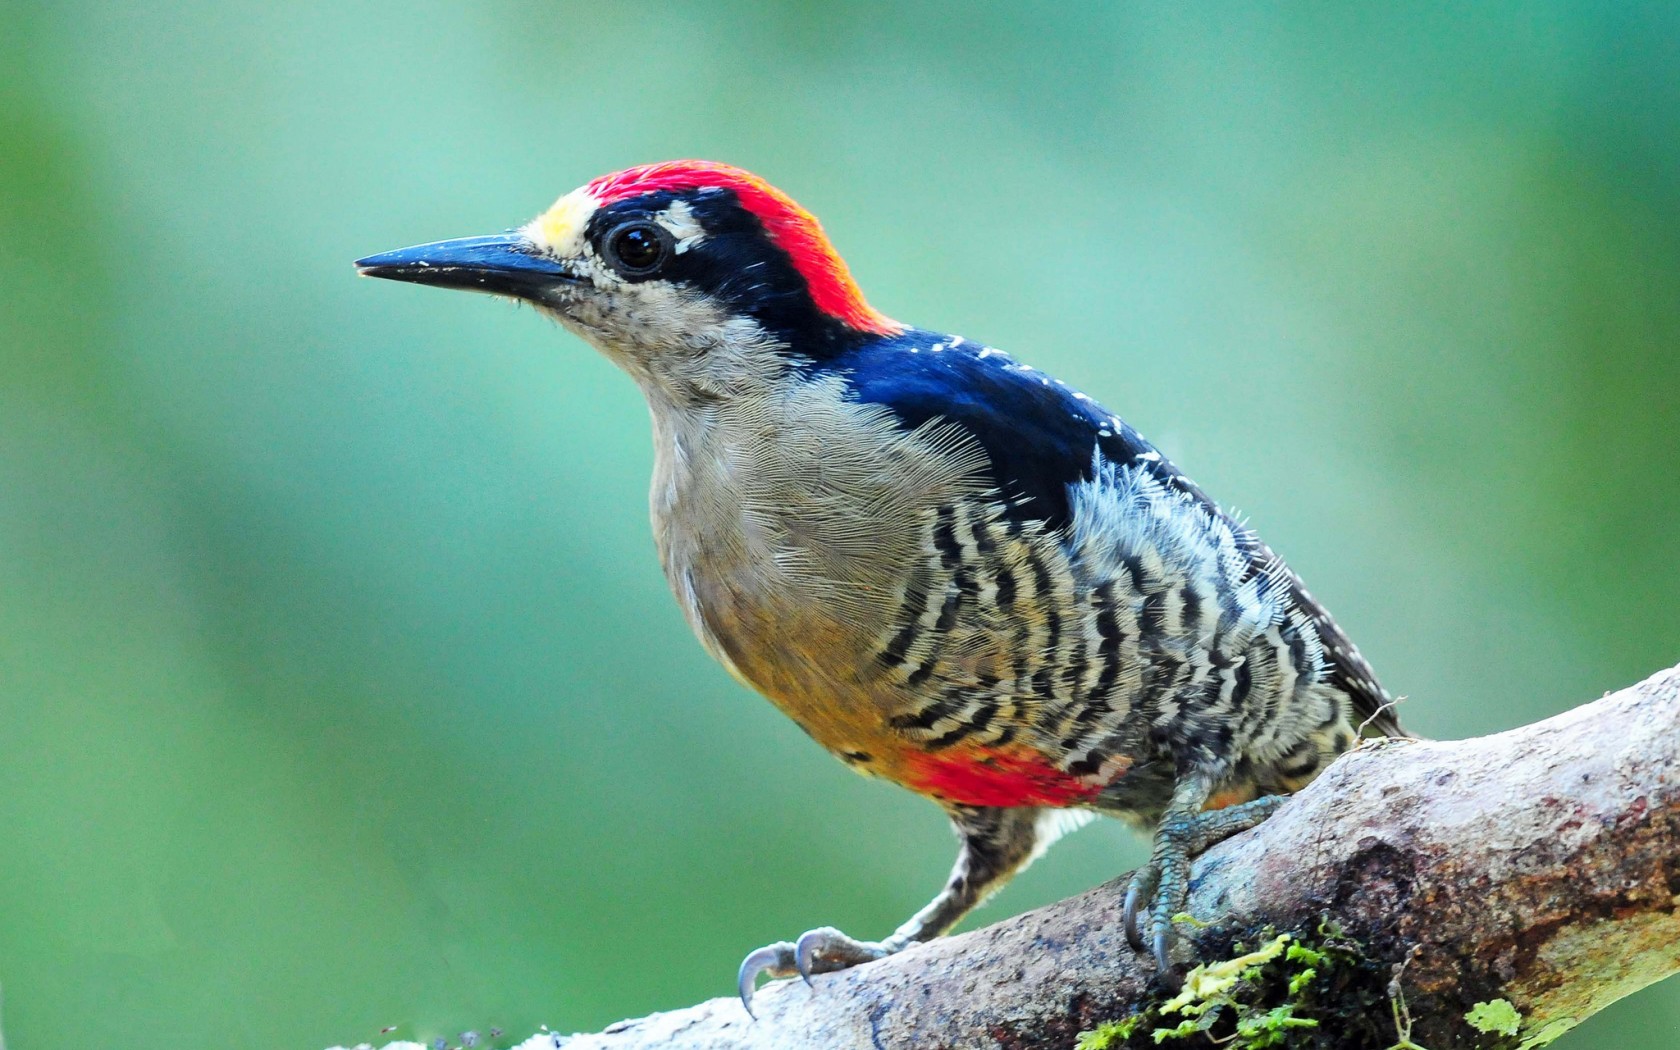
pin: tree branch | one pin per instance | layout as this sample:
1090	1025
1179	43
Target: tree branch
1539	866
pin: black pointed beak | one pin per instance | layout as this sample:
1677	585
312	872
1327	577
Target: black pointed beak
504	264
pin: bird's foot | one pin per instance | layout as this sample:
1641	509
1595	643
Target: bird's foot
1159	889
822	950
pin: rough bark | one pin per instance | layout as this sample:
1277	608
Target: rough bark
1540	866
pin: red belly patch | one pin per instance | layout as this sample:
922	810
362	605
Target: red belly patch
982	777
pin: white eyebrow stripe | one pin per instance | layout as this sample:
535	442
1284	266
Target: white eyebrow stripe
679	218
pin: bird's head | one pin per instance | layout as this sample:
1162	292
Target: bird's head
689	274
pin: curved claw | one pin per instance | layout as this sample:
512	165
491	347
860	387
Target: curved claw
805	952
1162	944
822	950
1140	899
1129	917
1160	888
825	950
773	959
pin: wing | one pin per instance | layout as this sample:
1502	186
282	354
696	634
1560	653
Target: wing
1040	437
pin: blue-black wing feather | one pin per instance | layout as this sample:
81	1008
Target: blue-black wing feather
1041	438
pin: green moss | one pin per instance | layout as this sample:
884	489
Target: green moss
1267	1029
1209	984
1292	991
1109	1034
1301	953
1300	981
1311	990
1498	1017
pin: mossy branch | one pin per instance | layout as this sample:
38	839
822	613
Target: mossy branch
1538	867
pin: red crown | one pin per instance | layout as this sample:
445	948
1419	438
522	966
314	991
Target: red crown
793	229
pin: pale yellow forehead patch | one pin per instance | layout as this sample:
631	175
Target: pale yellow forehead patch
559	230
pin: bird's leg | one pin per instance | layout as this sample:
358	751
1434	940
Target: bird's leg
1185	830
996	843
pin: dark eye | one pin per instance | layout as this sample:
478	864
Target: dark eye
636	249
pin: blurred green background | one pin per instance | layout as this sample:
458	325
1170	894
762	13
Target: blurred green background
339	687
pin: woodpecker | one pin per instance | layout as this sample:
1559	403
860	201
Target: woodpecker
950	569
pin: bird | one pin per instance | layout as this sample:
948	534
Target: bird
950	569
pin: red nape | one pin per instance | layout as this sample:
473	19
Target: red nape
795	230
981	777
